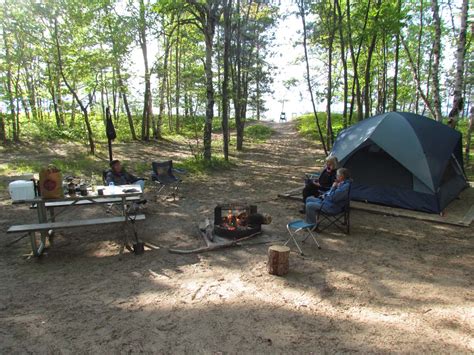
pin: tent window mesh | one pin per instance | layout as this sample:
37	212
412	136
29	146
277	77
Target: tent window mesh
372	166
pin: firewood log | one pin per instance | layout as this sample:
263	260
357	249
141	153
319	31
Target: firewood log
278	260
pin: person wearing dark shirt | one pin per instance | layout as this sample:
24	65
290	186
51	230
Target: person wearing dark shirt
118	176
316	187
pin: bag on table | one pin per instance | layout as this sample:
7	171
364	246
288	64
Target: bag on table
51	183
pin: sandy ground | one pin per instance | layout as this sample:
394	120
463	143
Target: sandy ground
393	285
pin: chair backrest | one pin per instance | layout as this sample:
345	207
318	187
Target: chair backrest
104	175
348	201
164	168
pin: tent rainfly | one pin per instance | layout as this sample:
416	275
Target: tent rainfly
404	160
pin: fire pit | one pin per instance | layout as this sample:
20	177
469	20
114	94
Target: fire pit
236	220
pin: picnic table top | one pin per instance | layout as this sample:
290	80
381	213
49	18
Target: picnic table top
112	194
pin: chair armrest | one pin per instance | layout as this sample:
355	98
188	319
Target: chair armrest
312	176
180	171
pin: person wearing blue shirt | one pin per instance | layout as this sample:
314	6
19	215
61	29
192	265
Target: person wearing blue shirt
331	202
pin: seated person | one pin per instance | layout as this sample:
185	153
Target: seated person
119	176
332	201
323	183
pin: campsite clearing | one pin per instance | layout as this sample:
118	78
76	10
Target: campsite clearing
393	285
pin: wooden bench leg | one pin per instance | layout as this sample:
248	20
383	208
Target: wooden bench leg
38	242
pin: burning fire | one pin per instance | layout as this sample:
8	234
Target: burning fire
232	221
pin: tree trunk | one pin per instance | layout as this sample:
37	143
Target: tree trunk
368	65
163	86
417	78
225	80
73	91
419	54
301	6
209	26
30	85
177	79
123	93
436	61
52	91
147	102
329	133
458	101
397	59
469	134
209	36
11	102
355	61
237	82
344	64
3	135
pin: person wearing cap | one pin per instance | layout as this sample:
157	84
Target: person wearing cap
118	176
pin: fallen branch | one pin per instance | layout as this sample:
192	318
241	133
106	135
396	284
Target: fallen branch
17	240
213	246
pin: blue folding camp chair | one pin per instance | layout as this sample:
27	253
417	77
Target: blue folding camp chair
341	220
298	226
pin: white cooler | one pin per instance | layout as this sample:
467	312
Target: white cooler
21	190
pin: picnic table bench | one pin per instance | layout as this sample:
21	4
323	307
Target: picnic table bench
45	227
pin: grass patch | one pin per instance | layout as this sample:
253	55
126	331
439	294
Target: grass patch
77	165
200	166
258	133
306	125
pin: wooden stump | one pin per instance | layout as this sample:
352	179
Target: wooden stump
278	260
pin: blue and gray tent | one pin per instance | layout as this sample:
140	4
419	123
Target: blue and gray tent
403	160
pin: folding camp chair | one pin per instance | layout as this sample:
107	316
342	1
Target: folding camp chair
301	226
340	220
163	176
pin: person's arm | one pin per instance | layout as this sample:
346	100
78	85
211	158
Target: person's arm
130	178
338	194
109	178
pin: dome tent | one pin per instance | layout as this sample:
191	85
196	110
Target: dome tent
404	160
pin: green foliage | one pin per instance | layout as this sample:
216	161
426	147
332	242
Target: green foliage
258	133
78	165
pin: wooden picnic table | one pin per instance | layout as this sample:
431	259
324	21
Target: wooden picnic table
47	213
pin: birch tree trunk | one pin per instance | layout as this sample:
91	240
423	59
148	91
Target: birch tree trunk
344	63
458	100
301	6
397	60
436	61
147	104
332	34
225	80
469	134
9	86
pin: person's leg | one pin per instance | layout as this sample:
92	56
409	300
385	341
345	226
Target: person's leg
140	183
312	208
309	191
